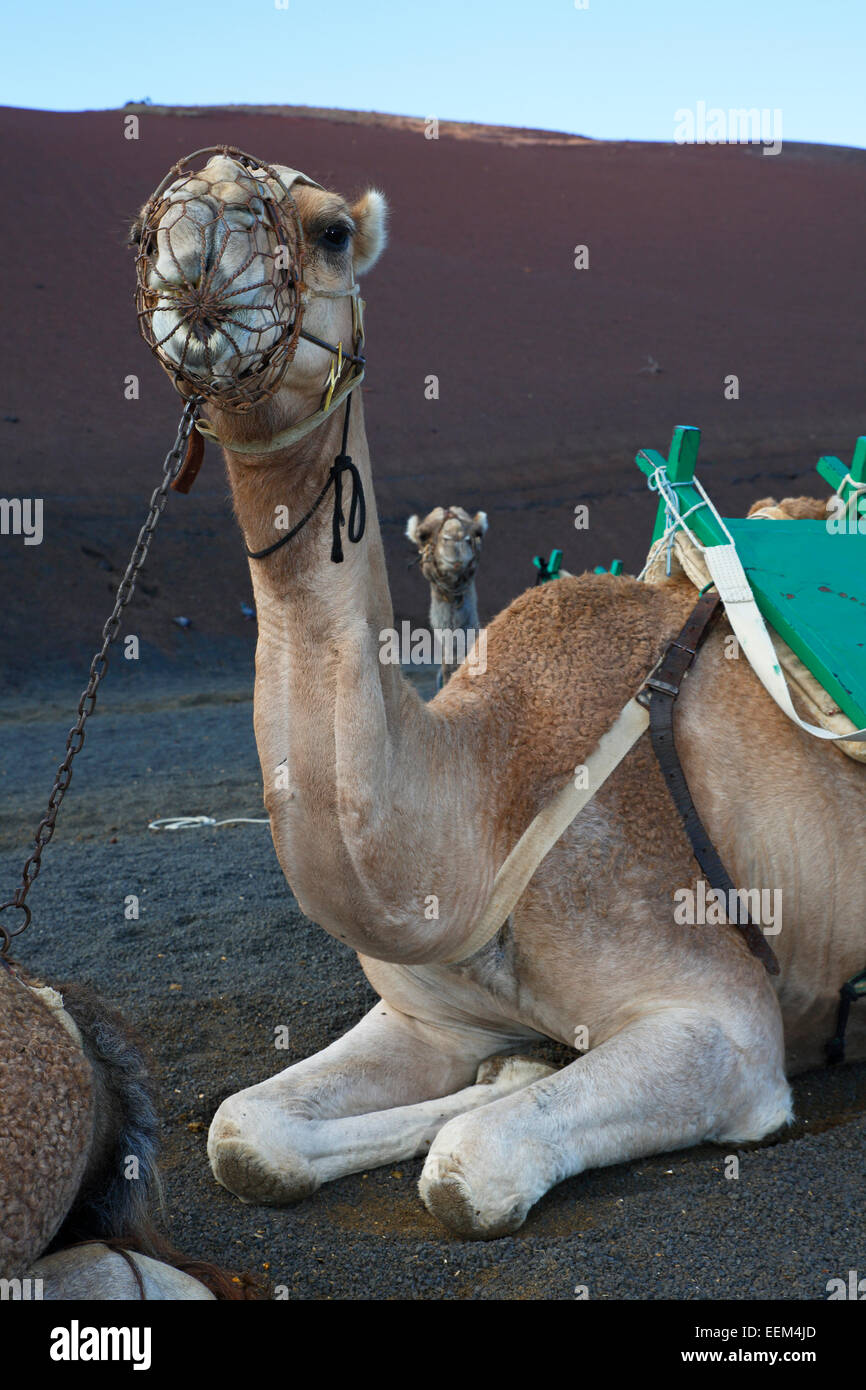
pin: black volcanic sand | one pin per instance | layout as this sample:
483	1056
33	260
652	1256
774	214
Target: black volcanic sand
221	955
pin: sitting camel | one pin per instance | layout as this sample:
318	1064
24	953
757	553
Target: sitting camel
391	817
77	1156
449	545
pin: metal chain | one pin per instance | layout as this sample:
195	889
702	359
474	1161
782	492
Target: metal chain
75	742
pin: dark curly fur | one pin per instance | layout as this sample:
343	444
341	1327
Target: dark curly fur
110	1207
125	1124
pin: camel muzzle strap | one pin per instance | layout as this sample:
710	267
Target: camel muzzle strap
357	520
337	389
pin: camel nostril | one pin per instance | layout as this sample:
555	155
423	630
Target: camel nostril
202	330
202	308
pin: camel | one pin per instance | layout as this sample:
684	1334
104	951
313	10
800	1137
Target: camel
448	541
77	1156
390	818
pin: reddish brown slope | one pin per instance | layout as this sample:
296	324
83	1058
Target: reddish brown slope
711	260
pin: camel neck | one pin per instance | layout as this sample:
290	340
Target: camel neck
454	612
342	738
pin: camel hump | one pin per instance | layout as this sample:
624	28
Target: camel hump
564	658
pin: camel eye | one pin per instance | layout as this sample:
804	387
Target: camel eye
336	237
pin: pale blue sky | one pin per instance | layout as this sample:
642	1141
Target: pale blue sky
618	69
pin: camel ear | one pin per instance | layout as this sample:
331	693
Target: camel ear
480	520
412	529
370	215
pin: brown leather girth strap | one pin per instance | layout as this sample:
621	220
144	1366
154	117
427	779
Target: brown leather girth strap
661	689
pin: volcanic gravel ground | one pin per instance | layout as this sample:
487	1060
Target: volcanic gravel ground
221	955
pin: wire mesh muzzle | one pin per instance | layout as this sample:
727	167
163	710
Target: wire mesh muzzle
219	279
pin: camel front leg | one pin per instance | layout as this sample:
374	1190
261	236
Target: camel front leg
377	1095
671	1079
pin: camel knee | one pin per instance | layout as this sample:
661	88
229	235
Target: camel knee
761	1115
752	1095
455	1198
257	1154
480	1179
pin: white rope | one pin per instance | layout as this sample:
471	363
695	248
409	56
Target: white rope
674	518
852	503
193	822
857	488
727	573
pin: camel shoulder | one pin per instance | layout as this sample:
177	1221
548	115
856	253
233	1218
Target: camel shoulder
579	631
561	661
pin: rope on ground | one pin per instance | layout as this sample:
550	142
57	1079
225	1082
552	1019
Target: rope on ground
193	822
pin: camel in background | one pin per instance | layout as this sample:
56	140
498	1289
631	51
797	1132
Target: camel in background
448	542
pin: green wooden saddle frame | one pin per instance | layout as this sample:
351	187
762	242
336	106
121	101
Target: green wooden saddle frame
808	577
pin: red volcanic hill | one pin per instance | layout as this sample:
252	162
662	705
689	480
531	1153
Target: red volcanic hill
705	261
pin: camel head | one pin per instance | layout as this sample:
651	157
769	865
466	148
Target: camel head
449	543
235	260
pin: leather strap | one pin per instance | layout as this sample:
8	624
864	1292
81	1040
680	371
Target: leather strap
659	692
192	462
851	991
664	687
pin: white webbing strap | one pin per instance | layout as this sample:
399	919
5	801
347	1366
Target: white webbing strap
543	832
726	569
